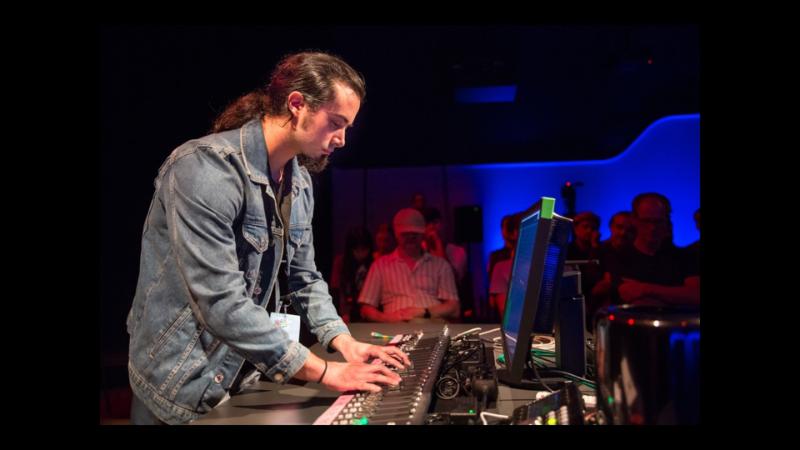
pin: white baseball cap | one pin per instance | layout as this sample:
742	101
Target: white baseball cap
409	220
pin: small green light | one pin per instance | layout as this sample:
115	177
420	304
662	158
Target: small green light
610	400
472	411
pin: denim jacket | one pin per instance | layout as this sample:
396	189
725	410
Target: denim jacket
212	245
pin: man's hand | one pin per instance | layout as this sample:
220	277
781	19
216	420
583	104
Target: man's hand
358	376
407	314
355	351
636	292
603	287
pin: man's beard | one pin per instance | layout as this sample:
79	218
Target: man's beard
314	166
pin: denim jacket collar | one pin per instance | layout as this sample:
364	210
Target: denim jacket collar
254	153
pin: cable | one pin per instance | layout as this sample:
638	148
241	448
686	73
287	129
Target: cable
536	372
585	381
490	331
467	332
484	414
544	359
445	387
465	357
572	375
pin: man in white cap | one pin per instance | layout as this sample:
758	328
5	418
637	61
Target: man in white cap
409	283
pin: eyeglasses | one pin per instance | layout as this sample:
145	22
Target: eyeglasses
654	222
411	235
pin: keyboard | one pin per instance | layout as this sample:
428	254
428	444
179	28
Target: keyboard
405	404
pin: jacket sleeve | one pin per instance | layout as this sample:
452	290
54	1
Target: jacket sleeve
309	291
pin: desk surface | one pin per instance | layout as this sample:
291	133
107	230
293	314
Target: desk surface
267	403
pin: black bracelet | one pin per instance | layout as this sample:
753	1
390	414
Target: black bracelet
323	372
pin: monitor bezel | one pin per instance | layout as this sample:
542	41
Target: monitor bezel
515	365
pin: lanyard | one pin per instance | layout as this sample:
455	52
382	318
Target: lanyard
279	301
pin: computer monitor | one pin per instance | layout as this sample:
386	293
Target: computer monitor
534	288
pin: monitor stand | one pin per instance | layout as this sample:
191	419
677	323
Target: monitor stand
570	335
529	381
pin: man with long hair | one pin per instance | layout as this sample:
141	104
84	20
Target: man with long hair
227	235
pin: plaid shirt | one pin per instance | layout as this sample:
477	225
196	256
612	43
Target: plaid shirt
391	285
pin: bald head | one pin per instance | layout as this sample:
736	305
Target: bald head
651	220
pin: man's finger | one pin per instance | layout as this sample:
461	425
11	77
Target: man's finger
386	358
397	353
388	373
383	379
369	387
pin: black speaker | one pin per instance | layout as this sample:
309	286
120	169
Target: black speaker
648	364
468	224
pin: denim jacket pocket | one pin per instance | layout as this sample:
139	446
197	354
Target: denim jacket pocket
256	235
299	234
174	326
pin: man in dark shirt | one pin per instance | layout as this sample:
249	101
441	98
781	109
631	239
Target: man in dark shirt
622	233
650	272
586	236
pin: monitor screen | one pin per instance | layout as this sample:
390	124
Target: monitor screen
518	285
535	279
